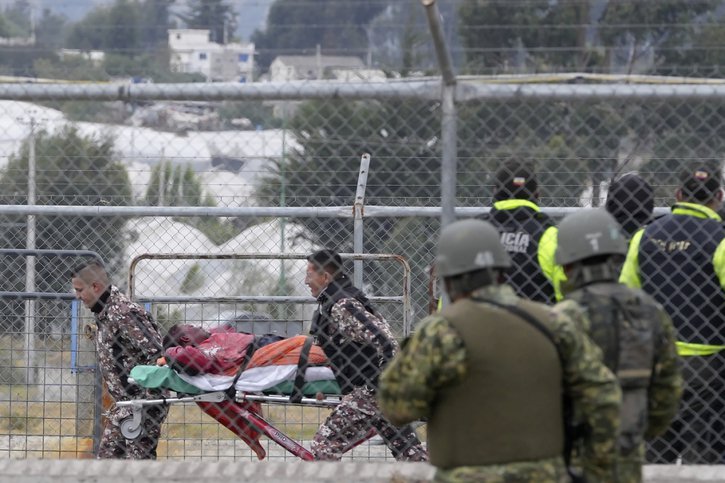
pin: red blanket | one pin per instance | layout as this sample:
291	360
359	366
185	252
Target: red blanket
221	353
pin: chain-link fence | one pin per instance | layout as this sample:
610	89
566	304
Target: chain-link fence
267	168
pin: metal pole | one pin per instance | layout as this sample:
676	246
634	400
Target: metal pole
449	155
30	261
162	181
281	290
448	115
439	41
358	211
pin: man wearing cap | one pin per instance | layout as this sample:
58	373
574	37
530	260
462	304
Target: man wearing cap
527	234
489	372
631	201
680	260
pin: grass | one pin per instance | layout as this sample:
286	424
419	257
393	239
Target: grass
188	421
33	428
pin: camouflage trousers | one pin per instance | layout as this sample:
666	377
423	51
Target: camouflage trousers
115	446
550	470
352	419
629	467
696	434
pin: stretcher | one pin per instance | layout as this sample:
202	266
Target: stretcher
235	401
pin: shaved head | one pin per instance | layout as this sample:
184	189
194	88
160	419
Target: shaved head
90	281
92	272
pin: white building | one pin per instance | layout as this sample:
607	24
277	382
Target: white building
96	57
193	52
285	68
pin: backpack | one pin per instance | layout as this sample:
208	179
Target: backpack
625	324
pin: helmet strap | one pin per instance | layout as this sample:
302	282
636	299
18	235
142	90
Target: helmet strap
580	275
465	283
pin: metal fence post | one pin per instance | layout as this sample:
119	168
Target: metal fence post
30	264
358	212
449	135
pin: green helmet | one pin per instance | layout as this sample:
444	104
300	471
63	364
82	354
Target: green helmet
589	233
469	245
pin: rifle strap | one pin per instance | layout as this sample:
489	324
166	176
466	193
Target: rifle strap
302	365
231	392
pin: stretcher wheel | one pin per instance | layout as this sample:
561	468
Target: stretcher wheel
130	429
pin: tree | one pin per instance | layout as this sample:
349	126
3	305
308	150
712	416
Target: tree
180	186
50	29
123	34
217	16
402	137
399	38
127	27
294	27
90	32
155	23
71	170
665	29
6	28
503	36
18	15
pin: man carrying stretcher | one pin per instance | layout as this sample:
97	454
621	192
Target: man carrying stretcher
358	343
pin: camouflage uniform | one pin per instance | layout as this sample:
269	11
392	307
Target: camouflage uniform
588	307
358	342
127	336
435	357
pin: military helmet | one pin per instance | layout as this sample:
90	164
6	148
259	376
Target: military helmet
469	245
589	233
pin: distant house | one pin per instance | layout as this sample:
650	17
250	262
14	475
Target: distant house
95	57
18	41
285	68
193	52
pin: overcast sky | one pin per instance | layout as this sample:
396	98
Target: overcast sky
251	13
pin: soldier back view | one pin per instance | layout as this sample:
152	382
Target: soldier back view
635	334
489	372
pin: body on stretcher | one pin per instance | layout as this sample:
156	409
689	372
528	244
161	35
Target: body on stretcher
241	413
238	408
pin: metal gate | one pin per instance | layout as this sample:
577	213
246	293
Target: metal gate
188	433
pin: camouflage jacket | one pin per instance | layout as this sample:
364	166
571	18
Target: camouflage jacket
435	356
357	339
592	307
126	336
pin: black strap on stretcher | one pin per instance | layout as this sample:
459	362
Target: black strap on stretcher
302	364
231	392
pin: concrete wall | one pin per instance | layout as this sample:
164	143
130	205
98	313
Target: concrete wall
119	471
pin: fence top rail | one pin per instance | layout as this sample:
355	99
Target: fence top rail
371	211
467	88
24	252
477	90
224	91
299	299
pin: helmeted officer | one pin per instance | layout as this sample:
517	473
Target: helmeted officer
527	234
488	372
634	332
679	259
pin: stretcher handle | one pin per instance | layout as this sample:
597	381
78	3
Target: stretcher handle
327	402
